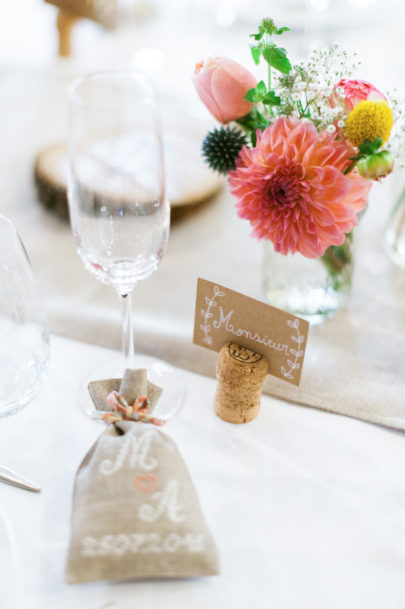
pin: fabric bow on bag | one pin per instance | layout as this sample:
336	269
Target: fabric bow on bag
136	513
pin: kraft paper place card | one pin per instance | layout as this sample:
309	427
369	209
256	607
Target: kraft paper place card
222	315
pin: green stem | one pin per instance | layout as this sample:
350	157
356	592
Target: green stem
251	122
269	76
338	261
349	168
269	80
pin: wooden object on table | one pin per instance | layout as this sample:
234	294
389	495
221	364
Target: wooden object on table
241	373
185	195
104	12
50	175
65	22
70	11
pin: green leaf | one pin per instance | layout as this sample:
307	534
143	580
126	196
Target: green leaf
256	53
281	30
377	143
260	120
251	96
350	167
276	57
253	121
369	147
271	99
268	27
256	95
261	89
258	36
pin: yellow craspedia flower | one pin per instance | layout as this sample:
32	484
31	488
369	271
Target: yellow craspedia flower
369	120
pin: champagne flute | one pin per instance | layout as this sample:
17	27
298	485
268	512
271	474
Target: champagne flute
119	215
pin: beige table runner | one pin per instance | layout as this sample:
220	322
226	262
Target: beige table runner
335	378
354	364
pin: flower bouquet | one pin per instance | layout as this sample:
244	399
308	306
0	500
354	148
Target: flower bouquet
301	153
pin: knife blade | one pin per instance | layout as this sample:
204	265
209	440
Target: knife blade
9	477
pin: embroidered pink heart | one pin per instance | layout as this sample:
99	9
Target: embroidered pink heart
146	482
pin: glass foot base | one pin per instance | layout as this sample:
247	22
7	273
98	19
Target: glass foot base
159	372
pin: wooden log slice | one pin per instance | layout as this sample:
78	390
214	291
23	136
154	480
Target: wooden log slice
50	175
189	182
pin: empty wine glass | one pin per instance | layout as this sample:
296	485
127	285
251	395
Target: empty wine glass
24	337
119	214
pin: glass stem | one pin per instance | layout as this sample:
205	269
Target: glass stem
127	329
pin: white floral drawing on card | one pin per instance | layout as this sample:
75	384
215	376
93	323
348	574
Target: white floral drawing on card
297	353
206	315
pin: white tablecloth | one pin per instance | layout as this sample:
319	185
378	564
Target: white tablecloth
307	508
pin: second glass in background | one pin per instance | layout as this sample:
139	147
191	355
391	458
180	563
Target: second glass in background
24	337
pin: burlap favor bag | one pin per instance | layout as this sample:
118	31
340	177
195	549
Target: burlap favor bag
136	513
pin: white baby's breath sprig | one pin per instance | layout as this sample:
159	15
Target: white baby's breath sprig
308	90
396	144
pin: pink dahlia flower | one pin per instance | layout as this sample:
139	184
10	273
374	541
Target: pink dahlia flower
292	190
355	91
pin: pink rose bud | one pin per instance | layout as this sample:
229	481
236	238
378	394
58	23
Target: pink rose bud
355	91
222	84
376	166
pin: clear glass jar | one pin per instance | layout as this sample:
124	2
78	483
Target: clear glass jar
313	288
394	238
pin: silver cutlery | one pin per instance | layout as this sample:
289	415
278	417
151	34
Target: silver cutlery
9	477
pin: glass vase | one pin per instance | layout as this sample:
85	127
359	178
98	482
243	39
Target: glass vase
394	238
313	288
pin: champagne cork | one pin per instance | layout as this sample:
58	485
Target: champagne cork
241	373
